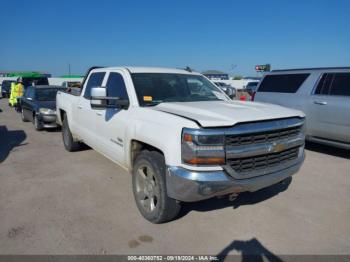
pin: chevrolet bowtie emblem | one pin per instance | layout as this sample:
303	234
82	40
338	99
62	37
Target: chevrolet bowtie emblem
278	148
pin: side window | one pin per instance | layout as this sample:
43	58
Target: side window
324	84
288	83
95	80
26	93
30	92
341	85
116	87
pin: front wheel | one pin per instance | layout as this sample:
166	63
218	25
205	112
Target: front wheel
149	188
24	119
38	126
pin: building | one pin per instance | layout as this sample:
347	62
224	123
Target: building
216	75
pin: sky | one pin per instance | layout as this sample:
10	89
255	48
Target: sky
227	35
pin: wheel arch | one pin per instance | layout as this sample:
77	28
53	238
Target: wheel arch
136	147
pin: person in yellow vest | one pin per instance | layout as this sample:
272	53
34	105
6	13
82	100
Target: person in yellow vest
16	91
12	90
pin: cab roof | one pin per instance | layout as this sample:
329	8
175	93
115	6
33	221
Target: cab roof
311	69
133	69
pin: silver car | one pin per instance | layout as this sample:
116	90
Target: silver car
323	94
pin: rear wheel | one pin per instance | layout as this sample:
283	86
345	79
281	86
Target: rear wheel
149	188
68	140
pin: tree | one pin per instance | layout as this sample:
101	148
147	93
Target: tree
237	77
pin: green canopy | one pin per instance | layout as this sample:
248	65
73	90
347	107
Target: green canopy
24	74
71	76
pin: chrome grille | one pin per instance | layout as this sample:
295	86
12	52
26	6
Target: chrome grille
263	161
262	137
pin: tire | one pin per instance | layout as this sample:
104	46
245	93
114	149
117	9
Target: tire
24	119
149	188
37	124
68	140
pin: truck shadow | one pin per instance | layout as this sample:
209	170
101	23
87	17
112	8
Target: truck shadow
329	150
243	199
10	140
250	250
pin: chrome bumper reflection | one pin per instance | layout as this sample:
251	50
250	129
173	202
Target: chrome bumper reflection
190	186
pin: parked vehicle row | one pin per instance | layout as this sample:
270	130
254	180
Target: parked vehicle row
6	88
323	94
38	105
180	136
183	138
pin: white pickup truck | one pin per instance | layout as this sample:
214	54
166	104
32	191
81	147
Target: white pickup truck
180	136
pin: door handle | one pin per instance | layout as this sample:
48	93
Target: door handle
80	107
99	113
322	103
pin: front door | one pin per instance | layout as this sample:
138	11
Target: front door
112	122
85	115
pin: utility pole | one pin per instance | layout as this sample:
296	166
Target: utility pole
69	69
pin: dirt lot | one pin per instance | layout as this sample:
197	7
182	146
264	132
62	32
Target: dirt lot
56	202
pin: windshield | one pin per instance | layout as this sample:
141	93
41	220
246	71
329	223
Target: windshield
252	84
46	94
155	88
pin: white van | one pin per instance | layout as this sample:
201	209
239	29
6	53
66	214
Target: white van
323	94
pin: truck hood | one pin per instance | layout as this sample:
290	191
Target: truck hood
222	113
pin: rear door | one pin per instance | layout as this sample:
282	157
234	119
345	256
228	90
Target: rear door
329	108
83	113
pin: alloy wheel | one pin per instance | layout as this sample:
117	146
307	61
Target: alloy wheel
147	189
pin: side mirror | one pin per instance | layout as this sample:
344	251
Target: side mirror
98	95
99	100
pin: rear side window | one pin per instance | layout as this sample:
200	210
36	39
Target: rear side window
341	84
288	83
116	87
95	80
336	84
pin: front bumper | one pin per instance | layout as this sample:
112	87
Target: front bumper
190	186
47	120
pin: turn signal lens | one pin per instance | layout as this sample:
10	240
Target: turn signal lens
187	138
206	161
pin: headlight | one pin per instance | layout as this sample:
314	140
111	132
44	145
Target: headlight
202	148
47	111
